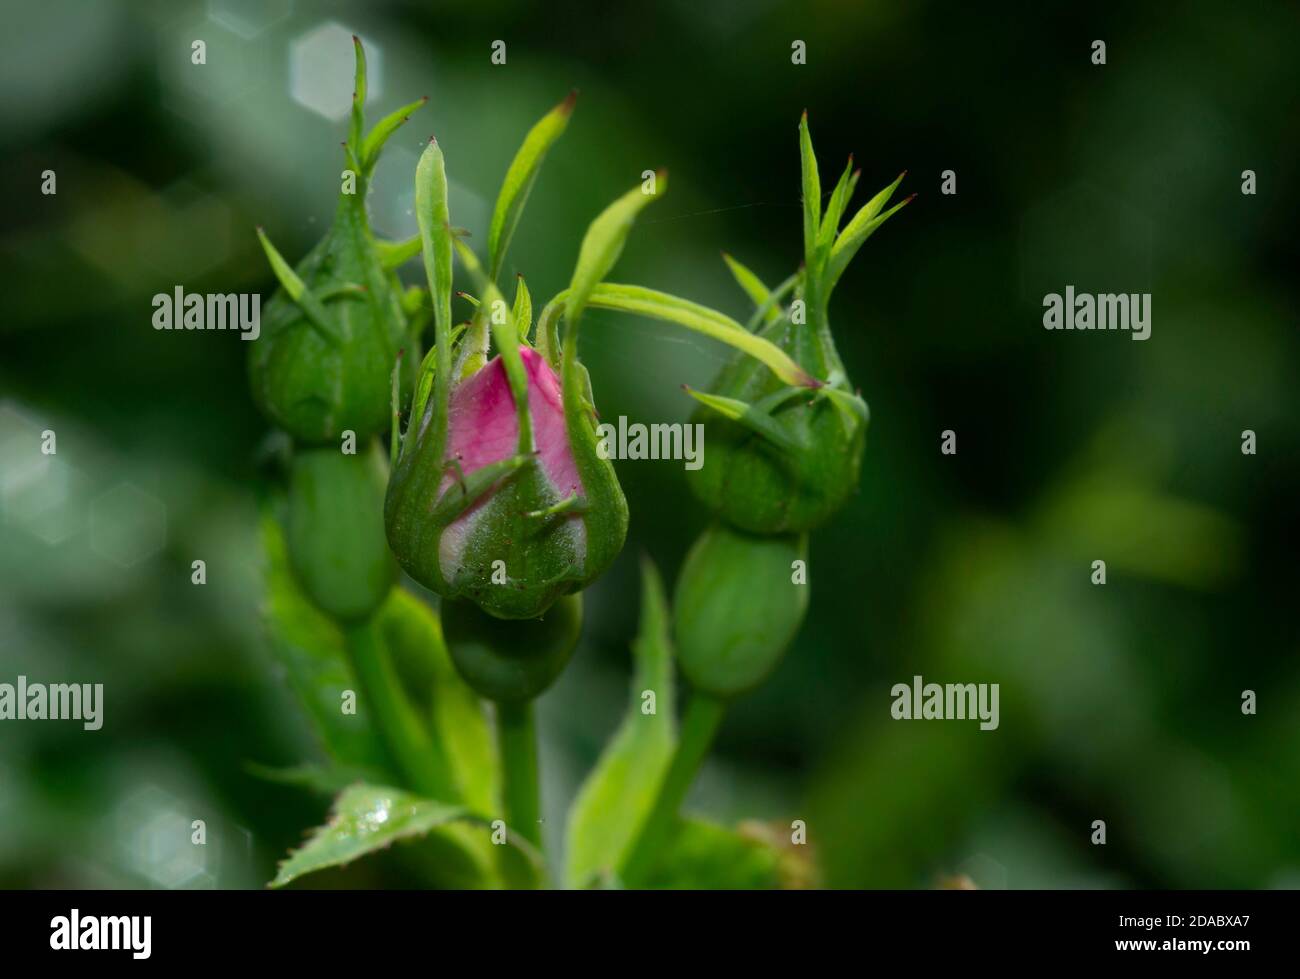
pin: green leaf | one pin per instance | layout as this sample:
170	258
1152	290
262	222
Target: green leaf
754	288
310	648
701	319
367	818
325	780
414	635
603	244
520	178
619	793
706	856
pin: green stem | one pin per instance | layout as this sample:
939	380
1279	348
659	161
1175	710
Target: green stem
407	740
699	726
517	738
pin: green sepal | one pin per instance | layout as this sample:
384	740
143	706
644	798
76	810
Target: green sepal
835	209
465	491
693	316
312	306
773	303
521	312
506	335
358	105
857	231
602	245
395	253
751	416
812	190
754	289
519	180
385	128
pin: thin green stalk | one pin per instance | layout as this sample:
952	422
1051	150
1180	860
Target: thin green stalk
418	757
699	726
517	739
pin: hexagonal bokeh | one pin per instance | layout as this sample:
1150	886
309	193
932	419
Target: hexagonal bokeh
248	18
154	837
127	525
22	464
52	508
321	67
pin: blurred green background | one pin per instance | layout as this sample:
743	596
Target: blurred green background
1119	703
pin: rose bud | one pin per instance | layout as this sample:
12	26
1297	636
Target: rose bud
737	607
511	662
335	530
499	495
778	458
331	333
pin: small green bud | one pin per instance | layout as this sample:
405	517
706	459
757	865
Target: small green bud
318	381
737	607
336	530
511	661
333	330
766	487
778	458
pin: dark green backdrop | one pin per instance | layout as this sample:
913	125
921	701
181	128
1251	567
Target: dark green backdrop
1119	702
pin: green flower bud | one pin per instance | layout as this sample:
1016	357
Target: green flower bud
780	458
336	530
332	332
793	485
511	662
737	607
